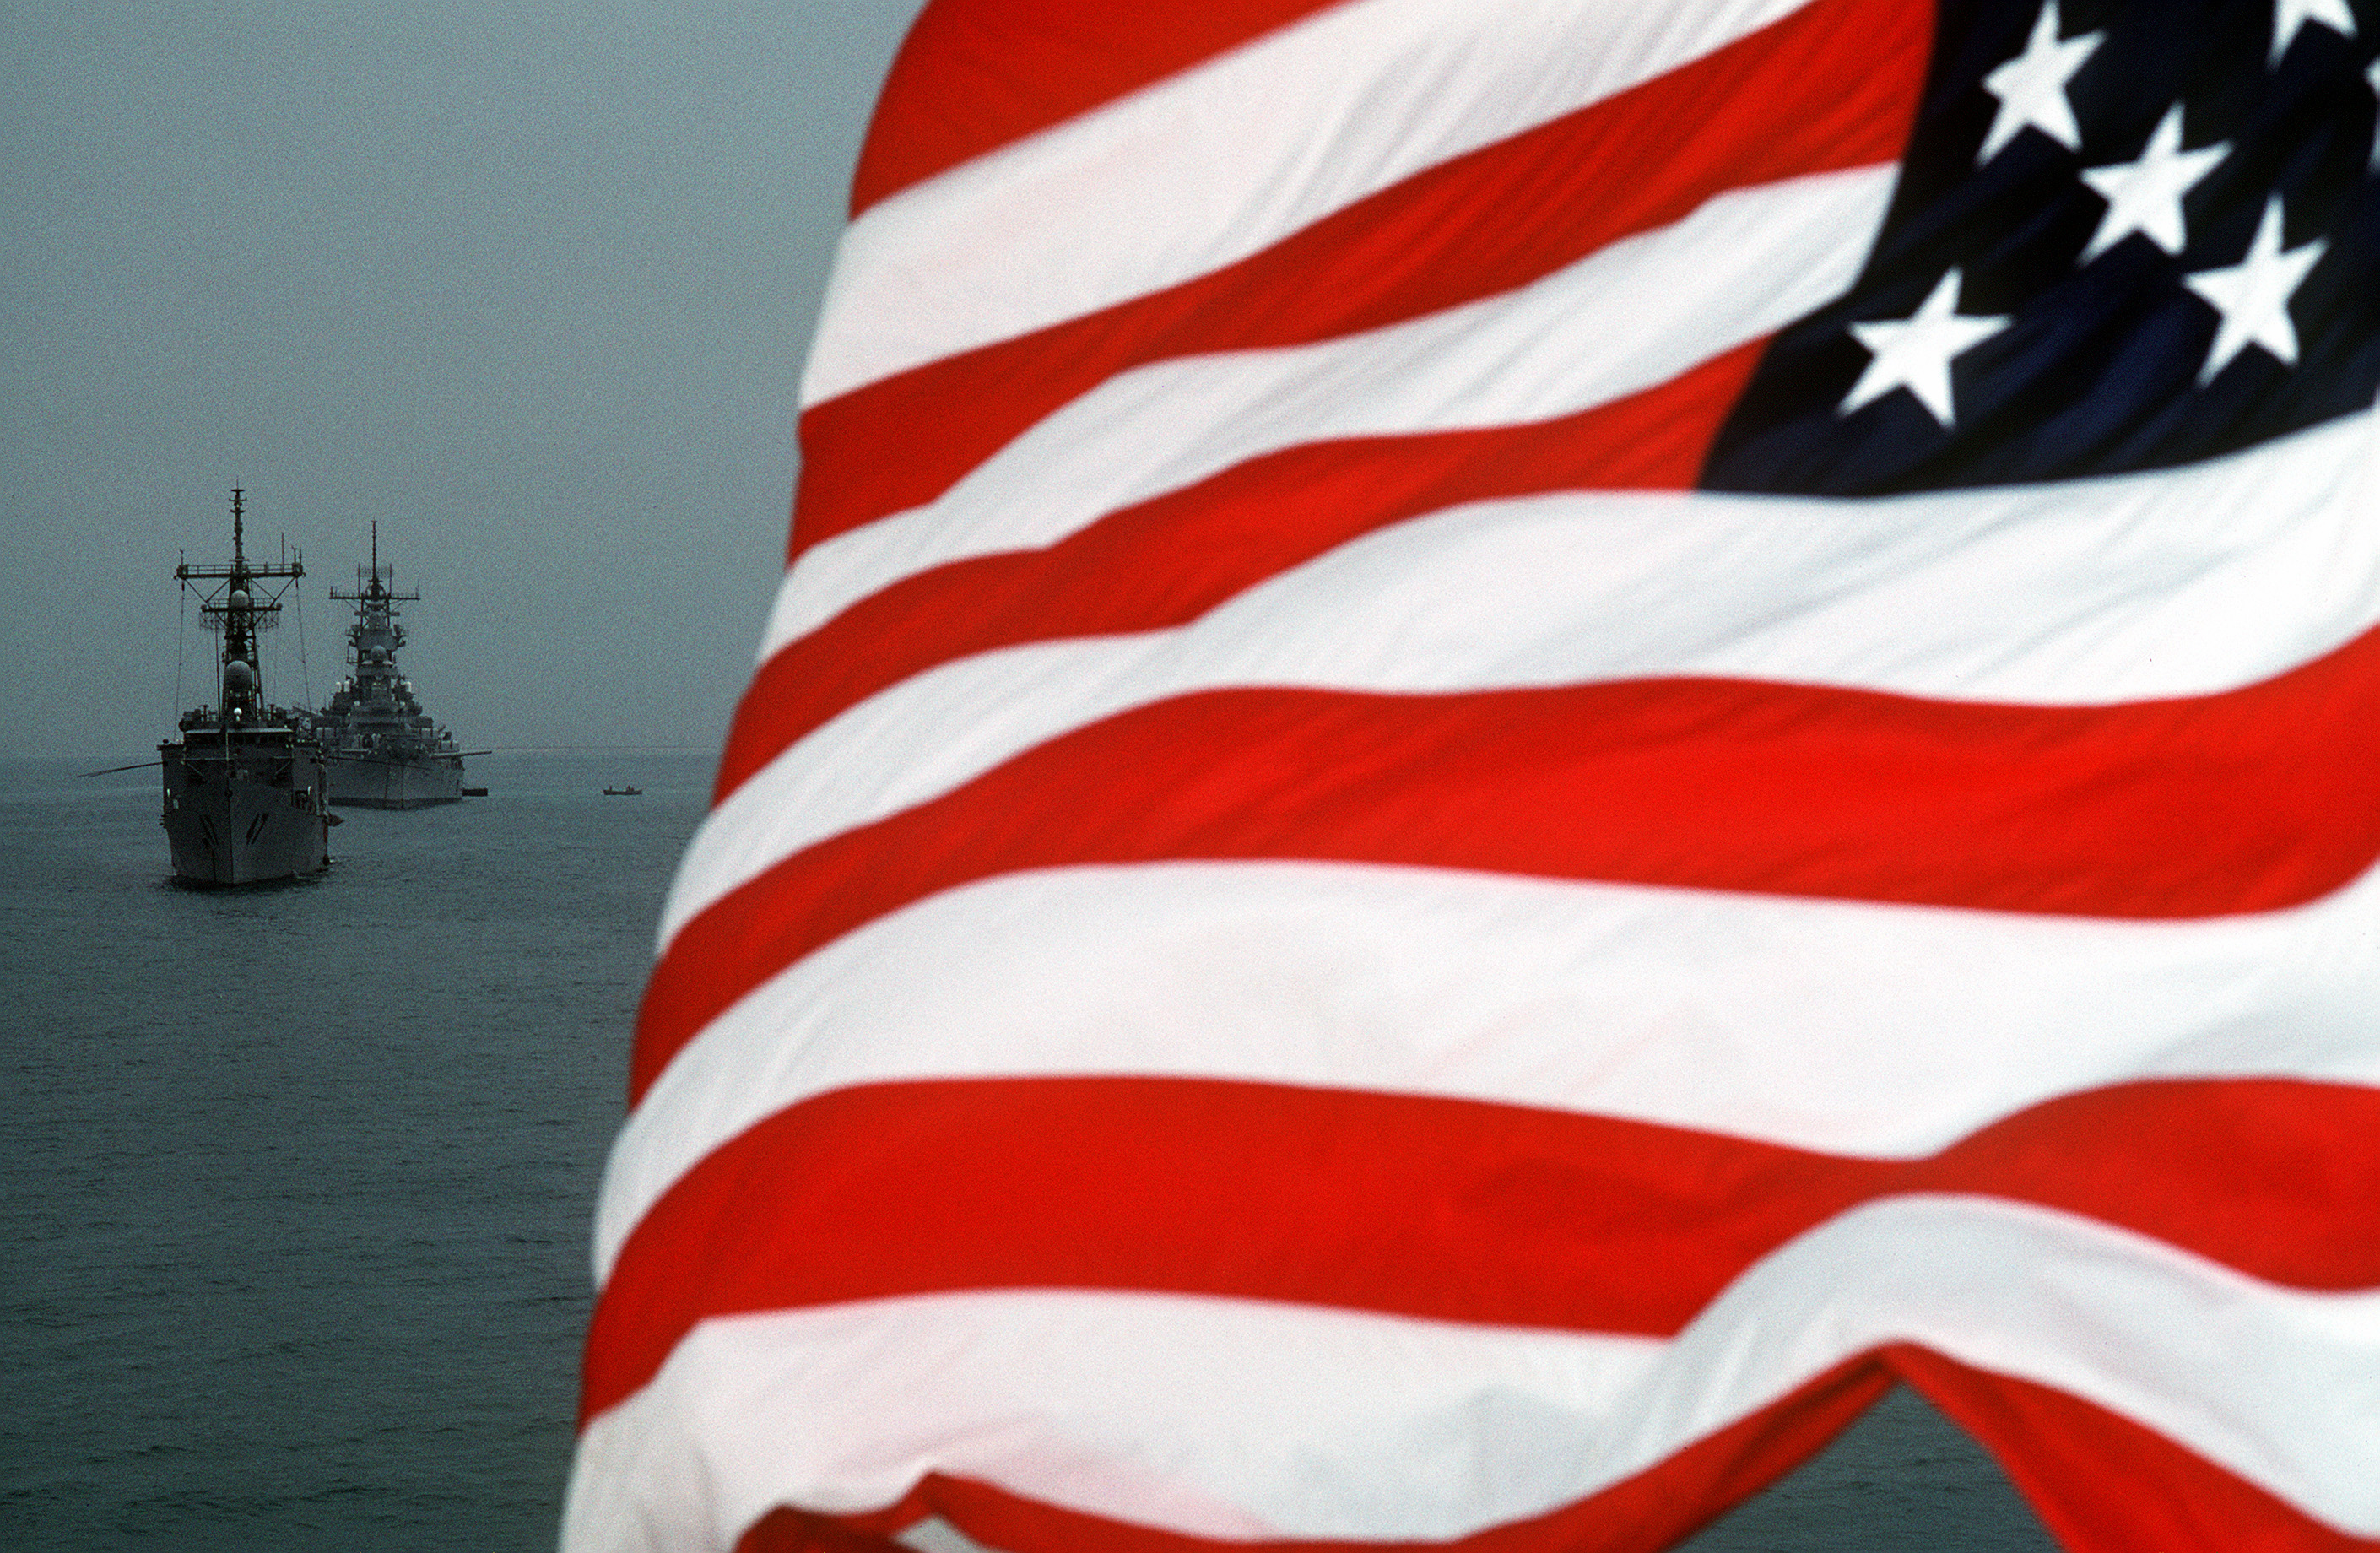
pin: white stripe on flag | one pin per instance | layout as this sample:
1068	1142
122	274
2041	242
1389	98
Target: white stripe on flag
1626	318
2171	583
1240	1421
1884	1031
1201	170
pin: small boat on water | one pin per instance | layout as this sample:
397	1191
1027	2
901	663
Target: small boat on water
246	794
622	791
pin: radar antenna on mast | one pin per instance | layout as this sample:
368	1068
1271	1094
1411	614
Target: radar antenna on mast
238	600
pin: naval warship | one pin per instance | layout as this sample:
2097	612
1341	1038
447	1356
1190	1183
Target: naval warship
383	751
246	791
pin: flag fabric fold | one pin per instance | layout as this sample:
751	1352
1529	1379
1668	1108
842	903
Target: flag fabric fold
1509	744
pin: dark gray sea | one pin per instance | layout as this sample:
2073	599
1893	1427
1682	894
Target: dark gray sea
295	1181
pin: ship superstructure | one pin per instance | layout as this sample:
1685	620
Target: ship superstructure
245	790
383	749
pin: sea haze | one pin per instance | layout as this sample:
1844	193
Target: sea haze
293	1243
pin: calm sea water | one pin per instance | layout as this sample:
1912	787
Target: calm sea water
298	1181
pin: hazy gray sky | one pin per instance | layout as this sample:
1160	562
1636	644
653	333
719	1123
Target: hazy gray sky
529	282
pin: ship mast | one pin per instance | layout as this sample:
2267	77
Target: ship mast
374	638
243	603
239	609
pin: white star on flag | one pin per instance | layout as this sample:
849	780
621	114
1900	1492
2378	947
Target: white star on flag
2031	87
2253	295
2289	18
2144	196
1915	352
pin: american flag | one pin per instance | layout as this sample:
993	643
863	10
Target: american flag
1511	744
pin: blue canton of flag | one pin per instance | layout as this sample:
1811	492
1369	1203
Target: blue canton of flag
2129	235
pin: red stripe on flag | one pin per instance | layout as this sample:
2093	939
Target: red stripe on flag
975	74
1458	1210
2104	1484
2250	800
1170	559
1647	1512
1831	87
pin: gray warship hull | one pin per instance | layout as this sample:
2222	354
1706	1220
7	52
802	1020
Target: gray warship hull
244	813
374	781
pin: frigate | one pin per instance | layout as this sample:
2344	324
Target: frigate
246	791
383	751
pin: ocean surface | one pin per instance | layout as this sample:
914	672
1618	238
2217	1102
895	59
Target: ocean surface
298	1181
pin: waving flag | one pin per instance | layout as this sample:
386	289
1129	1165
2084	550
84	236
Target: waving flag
1511	743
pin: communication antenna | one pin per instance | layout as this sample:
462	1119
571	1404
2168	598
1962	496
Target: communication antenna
181	635
298	596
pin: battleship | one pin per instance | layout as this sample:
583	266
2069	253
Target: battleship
245	790
383	751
